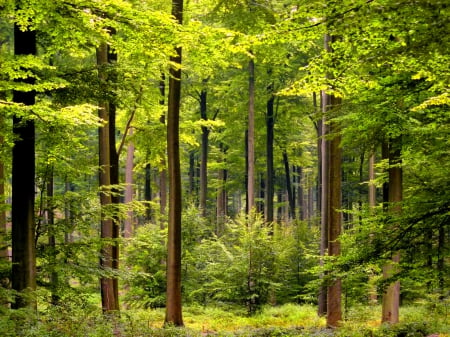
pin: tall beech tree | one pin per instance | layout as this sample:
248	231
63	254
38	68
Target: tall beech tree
23	276
332	104
391	295
173	300
107	162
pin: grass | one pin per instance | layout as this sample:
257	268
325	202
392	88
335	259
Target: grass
289	320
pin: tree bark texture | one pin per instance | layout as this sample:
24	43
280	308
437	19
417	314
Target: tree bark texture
334	291
106	160
391	296
23	276
173	302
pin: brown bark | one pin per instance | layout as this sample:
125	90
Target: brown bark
391	296
23	171
173	301
334	291
251	137
108	231
332	103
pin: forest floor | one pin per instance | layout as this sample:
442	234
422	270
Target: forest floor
290	320
300	320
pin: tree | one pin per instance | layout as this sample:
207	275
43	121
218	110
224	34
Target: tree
109	230
173	302
23	171
391	295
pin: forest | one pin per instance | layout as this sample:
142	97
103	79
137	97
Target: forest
224	168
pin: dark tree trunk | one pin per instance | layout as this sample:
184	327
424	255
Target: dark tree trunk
251	137
163	172
173	301
270	122
204	154
23	276
4	282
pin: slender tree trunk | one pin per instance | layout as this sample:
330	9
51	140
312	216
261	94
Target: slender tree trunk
221	202
23	276
129	221
372	204
148	191
163	171
173	302
4	282
251	137
322	300
270	122
290	196
204	154
391	296
54	280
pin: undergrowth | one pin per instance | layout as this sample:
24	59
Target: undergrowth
283	321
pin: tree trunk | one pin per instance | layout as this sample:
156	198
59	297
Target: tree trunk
204	155
148	192
129	221
4	282
173	301
221	203
54	281
251	137
23	276
391	296
270	122
106	178
334	291
322	300
163	171
290	196
373	297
